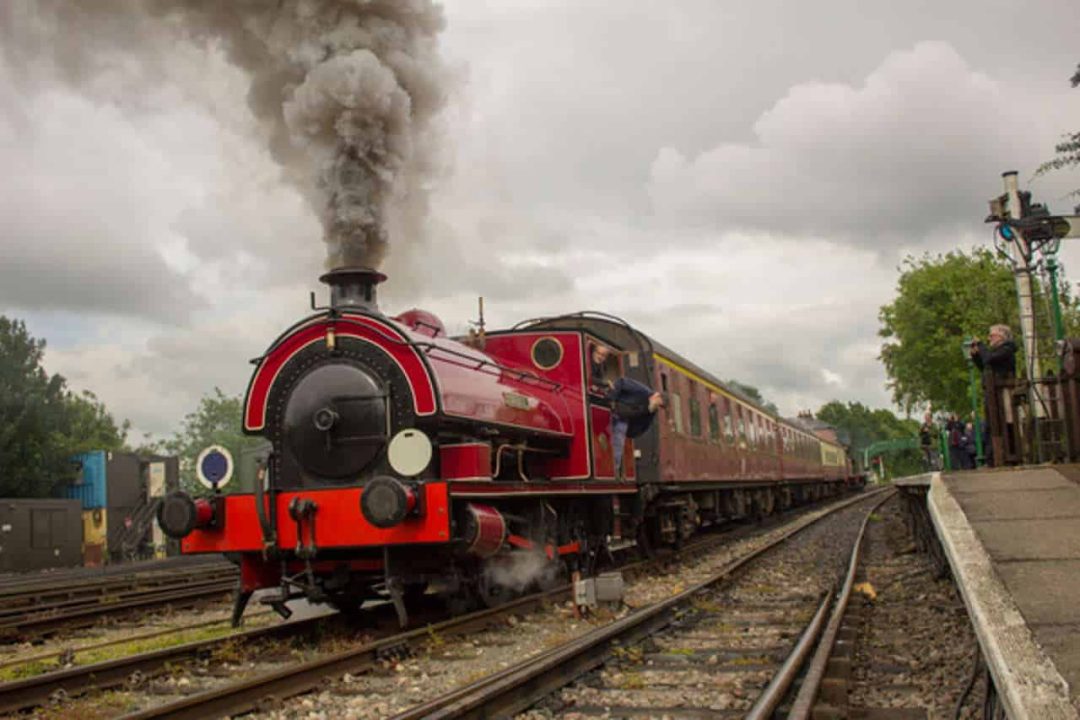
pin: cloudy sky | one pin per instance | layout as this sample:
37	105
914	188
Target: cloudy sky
739	179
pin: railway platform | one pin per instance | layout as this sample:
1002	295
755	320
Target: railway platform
1011	538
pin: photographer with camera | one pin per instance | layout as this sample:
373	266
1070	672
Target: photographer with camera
998	365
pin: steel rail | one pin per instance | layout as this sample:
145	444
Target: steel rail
774	693
76	650
65	586
35	604
297	679
37	690
515	689
36	623
815	672
33	691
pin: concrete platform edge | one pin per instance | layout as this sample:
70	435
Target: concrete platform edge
1029	685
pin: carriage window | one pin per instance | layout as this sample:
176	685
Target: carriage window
742	426
663	382
729	422
695	412
714	423
676	411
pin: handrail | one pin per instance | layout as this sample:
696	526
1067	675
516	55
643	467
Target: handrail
427	347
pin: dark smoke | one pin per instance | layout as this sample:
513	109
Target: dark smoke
347	89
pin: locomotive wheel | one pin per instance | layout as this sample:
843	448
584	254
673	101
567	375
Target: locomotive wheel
552	576
491	593
648	537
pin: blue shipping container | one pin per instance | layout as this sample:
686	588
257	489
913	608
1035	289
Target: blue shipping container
89	488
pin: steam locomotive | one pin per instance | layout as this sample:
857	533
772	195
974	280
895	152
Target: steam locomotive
406	462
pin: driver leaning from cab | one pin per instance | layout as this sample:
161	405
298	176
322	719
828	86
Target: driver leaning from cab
633	404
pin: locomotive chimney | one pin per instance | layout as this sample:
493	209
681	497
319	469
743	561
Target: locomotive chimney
353	287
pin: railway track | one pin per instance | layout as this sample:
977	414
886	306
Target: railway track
37	690
701	653
292	678
35	609
295	678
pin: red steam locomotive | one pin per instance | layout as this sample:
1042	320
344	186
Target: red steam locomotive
406	462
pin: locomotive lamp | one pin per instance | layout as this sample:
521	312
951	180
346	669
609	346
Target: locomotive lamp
178	514
385	502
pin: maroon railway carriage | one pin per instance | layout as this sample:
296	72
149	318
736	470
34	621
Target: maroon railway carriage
407	462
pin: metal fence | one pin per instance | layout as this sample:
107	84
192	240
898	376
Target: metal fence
1037	421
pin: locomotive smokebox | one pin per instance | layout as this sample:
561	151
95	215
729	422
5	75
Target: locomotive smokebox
353	287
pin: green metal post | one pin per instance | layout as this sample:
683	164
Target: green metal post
943	445
1055	304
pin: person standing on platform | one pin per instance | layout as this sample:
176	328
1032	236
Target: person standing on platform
927	436
955	430
998	365
971	449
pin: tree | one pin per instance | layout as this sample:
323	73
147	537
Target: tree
1068	150
752	394
864	427
216	421
42	423
942	301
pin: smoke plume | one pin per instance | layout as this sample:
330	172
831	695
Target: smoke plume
347	89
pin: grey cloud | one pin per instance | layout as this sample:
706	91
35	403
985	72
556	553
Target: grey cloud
904	154
80	236
556	129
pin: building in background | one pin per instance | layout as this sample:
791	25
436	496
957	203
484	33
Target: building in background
119	493
38	533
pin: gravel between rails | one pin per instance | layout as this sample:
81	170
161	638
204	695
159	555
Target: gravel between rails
103	642
446	663
914	643
718	657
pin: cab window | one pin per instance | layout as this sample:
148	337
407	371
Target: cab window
606	372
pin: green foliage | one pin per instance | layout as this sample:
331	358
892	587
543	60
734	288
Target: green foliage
942	301
753	394
42	423
864	427
217	420
1068	150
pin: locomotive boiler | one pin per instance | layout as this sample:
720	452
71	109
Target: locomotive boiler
406	462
